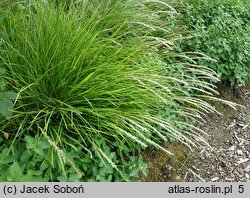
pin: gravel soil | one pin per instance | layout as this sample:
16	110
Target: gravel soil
227	160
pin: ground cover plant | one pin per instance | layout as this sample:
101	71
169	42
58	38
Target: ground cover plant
221	30
97	82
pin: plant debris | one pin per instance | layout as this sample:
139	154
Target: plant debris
229	137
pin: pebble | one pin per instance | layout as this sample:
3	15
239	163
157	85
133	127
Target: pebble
232	148
215	179
239	152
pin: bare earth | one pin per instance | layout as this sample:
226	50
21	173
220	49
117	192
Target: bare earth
229	158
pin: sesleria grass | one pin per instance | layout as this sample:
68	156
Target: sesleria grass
96	71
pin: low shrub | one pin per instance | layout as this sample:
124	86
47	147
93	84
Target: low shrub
220	29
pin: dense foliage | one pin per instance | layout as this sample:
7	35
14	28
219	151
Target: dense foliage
221	30
97	82
35	160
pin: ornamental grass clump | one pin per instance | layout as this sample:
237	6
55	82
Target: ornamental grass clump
96	72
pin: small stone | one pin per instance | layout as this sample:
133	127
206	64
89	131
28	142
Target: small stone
239	152
215	179
232	148
178	177
229	179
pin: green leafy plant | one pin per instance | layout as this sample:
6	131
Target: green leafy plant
35	161
14	166
220	29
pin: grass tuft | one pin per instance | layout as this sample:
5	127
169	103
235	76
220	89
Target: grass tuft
100	72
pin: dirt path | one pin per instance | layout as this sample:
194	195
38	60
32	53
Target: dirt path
229	159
